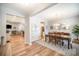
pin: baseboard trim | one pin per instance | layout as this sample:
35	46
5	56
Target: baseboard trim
28	43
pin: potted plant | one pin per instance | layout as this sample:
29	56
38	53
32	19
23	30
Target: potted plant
75	30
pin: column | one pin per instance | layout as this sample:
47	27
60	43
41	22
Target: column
2	25
27	31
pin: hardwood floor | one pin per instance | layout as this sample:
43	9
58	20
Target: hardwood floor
16	47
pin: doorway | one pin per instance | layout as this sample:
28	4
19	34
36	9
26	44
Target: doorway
42	31
14	27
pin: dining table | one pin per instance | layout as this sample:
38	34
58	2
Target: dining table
59	37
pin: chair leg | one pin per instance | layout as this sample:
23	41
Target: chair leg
71	46
62	43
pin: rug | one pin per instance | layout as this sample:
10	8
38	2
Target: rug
58	48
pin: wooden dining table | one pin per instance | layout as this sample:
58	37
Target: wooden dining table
59	37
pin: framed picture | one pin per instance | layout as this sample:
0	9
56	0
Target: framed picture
51	27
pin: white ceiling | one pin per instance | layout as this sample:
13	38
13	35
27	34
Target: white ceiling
62	11
58	12
29	9
26	9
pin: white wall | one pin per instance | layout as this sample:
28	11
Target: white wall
69	21
34	29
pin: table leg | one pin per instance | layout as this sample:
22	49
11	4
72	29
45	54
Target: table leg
68	44
55	41
62	42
